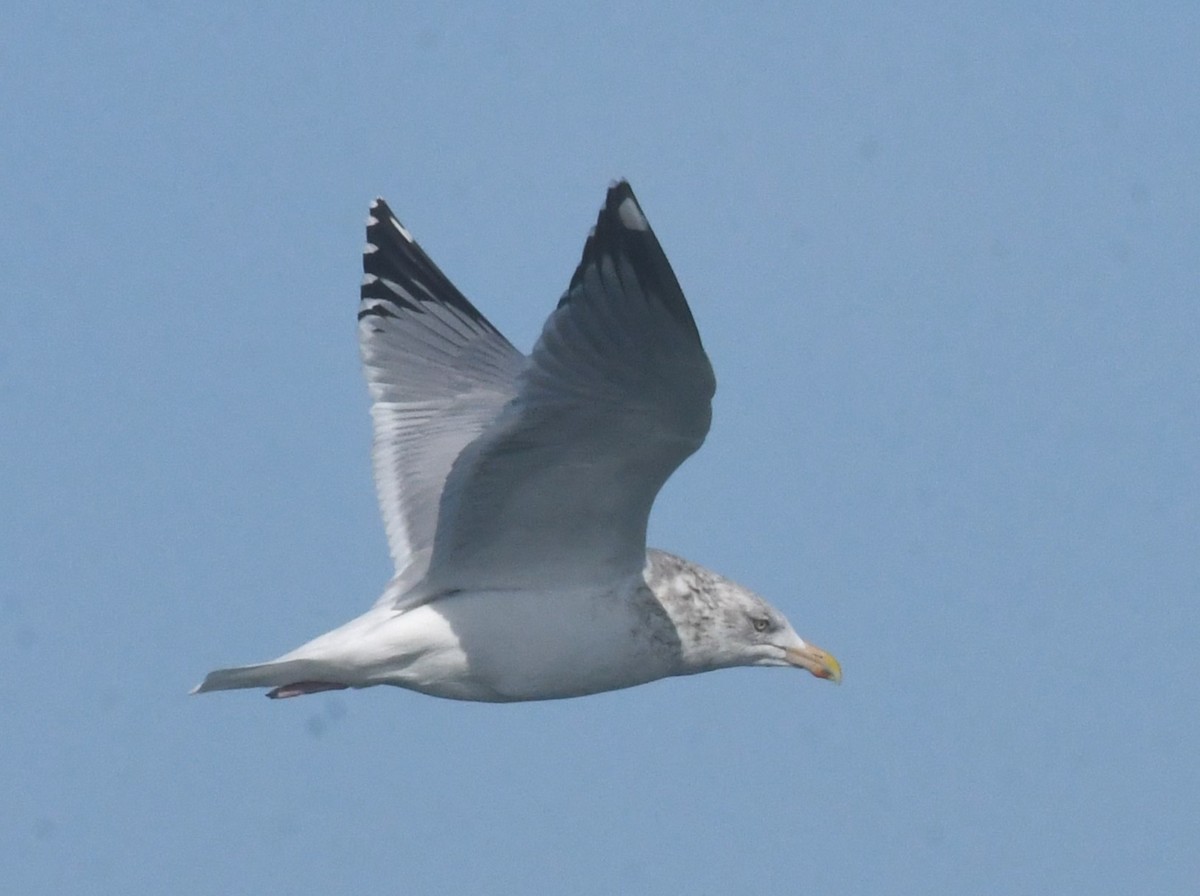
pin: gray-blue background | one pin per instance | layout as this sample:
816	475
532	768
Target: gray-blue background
944	258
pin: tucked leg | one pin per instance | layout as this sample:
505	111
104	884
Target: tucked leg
300	688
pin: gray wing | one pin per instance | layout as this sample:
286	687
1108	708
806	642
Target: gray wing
438	372
617	393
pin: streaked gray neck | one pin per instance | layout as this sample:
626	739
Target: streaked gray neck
704	607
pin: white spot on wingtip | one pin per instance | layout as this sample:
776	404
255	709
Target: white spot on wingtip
368	279
403	230
373	221
631	216
370	249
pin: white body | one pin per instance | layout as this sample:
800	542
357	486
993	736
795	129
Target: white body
493	646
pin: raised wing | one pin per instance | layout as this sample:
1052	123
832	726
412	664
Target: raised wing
439	373
617	393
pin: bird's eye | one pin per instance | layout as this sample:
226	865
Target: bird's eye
761	624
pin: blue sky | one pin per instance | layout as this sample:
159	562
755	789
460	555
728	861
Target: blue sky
945	262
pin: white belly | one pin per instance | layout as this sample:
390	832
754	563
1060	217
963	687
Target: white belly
499	646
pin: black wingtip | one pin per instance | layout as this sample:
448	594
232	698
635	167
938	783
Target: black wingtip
623	230
620	189
393	255
378	210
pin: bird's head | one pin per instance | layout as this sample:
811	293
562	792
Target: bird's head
768	639
722	624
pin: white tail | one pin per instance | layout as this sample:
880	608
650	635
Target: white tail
263	675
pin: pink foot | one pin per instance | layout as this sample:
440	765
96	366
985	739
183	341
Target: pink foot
300	688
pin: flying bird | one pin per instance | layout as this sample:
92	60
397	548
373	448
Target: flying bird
516	489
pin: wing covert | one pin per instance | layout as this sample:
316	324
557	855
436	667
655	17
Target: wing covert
617	393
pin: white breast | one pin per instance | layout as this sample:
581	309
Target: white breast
502	646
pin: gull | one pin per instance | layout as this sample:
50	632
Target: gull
515	490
